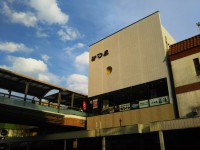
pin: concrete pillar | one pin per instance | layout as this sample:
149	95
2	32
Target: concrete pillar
65	144
8	146
104	143
27	146
161	140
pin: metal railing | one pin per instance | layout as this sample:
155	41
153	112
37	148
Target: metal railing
40	106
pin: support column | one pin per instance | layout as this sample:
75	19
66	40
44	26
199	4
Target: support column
59	100
161	140
26	90
8	148
72	100
104	143
65	144
40	100
27	146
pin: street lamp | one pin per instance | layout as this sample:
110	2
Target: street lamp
198	24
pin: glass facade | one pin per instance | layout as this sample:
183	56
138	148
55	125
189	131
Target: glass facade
144	95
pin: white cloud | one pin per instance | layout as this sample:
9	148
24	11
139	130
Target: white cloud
82	61
11	47
4	67
28	66
46	11
34	68
68	33
77	82
80	45
49	12
50	78
43	77
41	34
45	57
69	50
26	18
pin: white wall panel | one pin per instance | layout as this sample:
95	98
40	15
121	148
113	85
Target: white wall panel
136	55
184	71
187	102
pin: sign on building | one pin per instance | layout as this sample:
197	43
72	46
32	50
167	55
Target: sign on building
159	101
143	104
95	103
134	105
124	107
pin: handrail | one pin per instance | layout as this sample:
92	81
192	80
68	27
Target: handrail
14	96
47	104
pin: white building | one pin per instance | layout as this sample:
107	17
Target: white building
128	70
184	58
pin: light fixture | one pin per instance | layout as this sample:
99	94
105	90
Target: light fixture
198	24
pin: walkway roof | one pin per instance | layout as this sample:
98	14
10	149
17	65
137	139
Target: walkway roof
16	82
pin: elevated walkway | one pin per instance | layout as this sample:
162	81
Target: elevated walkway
25	100
26	112
30	105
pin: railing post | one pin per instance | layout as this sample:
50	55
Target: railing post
40	101
9	94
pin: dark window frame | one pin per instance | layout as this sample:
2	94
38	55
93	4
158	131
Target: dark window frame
196	66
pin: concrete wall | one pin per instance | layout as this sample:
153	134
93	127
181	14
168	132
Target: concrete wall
184	74
184	71
167	38
136	55
139	116
187	102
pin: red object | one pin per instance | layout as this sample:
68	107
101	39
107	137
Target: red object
84	105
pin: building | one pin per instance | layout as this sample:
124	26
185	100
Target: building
129	78
132	102
184	57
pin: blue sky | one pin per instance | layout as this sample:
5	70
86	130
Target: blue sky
49	39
